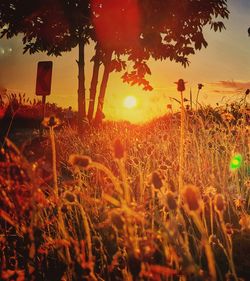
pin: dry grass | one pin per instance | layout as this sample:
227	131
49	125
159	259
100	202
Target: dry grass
108	206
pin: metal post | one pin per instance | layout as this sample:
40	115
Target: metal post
44	105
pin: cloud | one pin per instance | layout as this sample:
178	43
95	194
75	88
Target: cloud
233	85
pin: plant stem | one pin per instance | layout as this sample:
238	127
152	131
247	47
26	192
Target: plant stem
53	148
181	161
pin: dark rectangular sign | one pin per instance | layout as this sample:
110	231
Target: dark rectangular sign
43	78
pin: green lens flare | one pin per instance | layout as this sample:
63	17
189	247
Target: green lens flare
236	162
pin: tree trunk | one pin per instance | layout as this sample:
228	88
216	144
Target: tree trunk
94	83
81	88
103	87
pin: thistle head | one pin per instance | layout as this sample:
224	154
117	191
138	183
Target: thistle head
79	160
180	85
171	201
192	199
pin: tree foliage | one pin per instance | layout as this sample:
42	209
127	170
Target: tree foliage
51	26
173	30
123	31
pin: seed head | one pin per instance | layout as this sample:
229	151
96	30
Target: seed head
119	150
80	161
171	202
191	197
219	203
156	180
180	85
200	86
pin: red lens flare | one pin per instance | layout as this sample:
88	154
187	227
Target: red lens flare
117	23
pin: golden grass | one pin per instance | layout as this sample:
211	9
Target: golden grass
114	209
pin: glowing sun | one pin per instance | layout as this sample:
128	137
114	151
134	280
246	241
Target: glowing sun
130	102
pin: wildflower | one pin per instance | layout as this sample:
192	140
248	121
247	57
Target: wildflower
156	180
191	197
118	149
180	85
51	122
239	202
80	161
219	203
210	191
171	201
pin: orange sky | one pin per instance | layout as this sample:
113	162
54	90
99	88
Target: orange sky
224	69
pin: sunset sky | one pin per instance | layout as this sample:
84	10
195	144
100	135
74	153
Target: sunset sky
223	67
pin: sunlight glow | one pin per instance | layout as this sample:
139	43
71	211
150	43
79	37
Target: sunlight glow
130	102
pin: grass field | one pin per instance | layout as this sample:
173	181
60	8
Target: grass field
130	202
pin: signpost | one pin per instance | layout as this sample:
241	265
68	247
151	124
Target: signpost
43	81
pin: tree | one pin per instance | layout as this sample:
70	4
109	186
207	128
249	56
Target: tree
157	29
128	30
51	26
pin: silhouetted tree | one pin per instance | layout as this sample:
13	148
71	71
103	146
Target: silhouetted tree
51	26
158	29
128	30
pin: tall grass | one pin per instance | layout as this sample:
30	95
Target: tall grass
113	209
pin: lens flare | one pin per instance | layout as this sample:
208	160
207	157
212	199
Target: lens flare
236	162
